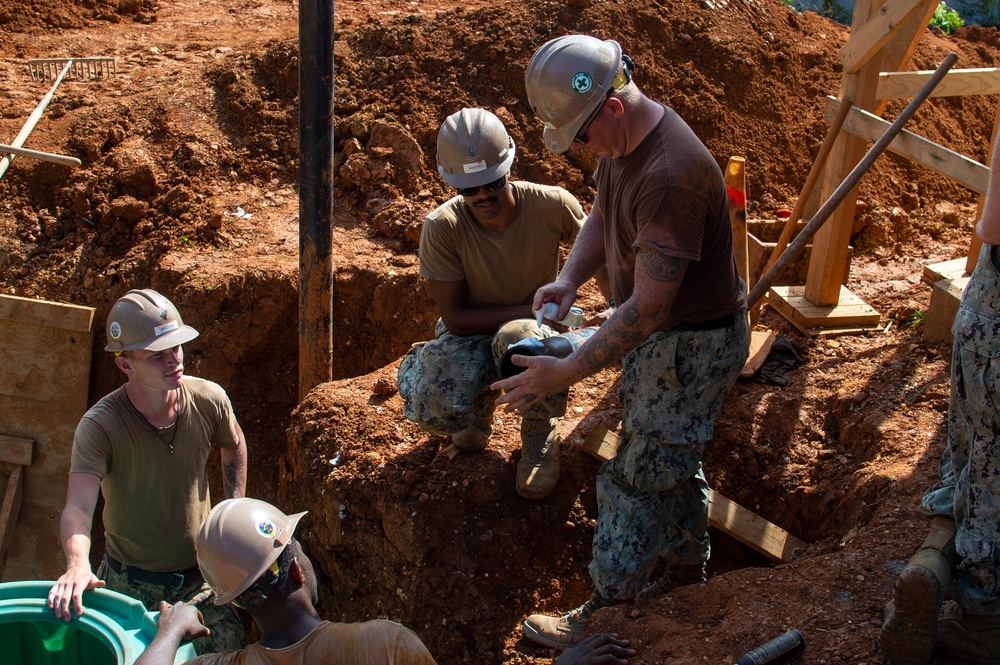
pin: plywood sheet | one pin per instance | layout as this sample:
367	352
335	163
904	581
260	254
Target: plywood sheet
45	353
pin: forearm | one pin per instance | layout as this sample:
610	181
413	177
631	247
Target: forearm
75	528
234	471
162	650
988	227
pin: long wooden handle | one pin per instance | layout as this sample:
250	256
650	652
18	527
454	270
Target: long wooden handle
44	156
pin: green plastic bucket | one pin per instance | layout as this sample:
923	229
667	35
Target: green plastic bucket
113	630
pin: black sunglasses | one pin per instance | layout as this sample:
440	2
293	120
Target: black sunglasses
581	136
490	187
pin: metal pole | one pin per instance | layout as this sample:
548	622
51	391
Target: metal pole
315	193
32	120
839	194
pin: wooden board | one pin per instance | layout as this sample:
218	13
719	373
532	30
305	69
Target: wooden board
723	514
9	508
958	167
956	83
761	342
945	299
882	26
45	353
14	450
849	316
953	269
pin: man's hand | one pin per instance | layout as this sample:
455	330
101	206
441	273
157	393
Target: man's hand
66	595
542	378
177	623
183	620
599	649
561	292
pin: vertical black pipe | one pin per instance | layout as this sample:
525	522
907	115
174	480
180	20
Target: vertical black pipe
315	193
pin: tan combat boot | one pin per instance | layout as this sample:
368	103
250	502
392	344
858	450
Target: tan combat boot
973	638
910	627
475	437
562	632
538	469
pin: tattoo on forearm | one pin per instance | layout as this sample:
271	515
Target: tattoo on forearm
230	481
659	266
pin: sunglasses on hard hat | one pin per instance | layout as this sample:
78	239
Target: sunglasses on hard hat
489	187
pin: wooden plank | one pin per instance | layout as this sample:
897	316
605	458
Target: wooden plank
959	168
946	296
44	381
46	313
956	83
882	26
760	345
736	189
791	302
723	514
15	450
830	244
9	511
896	55
935	272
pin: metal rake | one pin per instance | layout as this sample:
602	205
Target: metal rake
80	68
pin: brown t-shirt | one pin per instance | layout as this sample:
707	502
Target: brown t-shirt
501	269
154	500
377	642
669	195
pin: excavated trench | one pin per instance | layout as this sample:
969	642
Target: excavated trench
444	544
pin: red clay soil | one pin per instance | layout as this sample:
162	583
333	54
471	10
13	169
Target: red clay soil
200	124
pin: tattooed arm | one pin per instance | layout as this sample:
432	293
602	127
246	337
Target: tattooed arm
657	280
234	467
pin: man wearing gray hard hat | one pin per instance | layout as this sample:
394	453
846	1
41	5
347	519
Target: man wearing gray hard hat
145	447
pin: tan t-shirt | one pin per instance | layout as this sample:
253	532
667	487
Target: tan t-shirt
378	642
501	269
669	195
154	500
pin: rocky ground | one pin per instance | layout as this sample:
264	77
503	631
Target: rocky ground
189	185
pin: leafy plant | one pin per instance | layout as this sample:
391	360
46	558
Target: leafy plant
946	19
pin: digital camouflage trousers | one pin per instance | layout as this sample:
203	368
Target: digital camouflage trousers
445	382
652	497
227	630
969	490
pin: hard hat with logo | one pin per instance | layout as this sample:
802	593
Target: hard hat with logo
240	540
567	80
144	319
473	148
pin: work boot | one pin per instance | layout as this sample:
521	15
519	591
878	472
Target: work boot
475	437
973	638
910	627
538	468
674	577
564	631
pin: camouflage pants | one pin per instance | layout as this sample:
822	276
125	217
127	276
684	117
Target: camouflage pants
445	383
969	489
652	497
227	630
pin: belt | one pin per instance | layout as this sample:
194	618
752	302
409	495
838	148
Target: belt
170	580
714	324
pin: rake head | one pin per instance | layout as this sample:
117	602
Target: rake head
81	68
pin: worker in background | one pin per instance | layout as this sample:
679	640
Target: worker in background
248	553
660	222
145	448
484	252
961	553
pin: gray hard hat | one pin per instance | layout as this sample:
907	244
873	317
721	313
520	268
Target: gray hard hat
473	148
144	319
567	80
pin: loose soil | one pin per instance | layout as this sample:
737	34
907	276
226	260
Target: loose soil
189	186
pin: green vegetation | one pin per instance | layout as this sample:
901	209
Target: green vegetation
946	19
